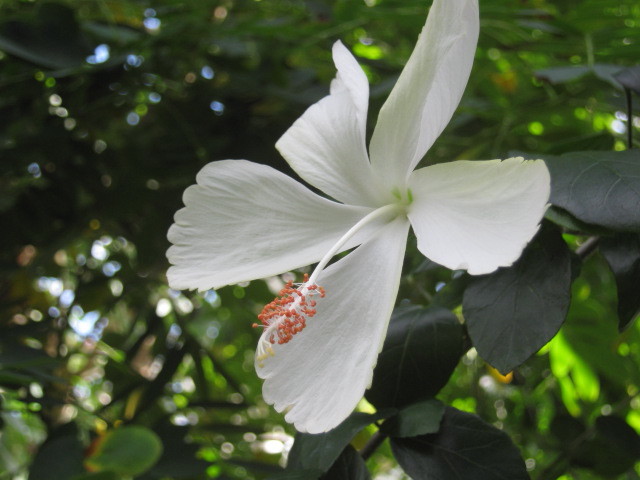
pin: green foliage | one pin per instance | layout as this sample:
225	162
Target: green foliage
622	253
466	447
349	466
109	110
314	452
126	451
422	348
416	419
593	185
512	313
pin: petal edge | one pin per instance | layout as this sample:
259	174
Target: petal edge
478	215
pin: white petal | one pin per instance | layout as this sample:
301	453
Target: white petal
428	90
244	221
478	216
326	145
321	374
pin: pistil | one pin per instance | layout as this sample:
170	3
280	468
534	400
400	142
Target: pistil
287	314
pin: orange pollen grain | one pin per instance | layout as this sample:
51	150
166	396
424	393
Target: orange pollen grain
287	314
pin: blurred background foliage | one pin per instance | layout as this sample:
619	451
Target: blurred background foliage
110	107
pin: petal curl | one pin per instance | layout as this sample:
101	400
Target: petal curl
244	221
478	215
318	378
427	92
326	145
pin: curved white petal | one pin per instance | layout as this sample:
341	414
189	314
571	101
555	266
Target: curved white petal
480	215
321	374
244	221
326	145
427	92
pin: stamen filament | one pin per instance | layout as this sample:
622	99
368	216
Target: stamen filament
379	212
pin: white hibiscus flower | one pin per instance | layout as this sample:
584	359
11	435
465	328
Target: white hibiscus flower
244	221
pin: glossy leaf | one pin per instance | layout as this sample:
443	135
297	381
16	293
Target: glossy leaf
599	188
570	223
129	450
622	253
415	419
512	313
348	466
465	447
317	452
422	348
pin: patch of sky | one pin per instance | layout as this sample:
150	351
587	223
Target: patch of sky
207	72
66	298
101	54
34	169
217	107
83	324
152	23
133	118
98	251
111	268
52	285
135	60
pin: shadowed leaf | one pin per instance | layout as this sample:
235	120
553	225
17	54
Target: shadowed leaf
464	448
320	451
416	419
422	349
622	253
513	312
348	466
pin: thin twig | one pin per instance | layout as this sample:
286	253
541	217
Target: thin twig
588	247
372	445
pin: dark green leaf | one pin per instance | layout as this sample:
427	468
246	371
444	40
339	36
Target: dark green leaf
570	223
62	453
599	188
613	450
179	458
566	429
348	466
126	450
52	39
622	253
464	448
422	349
416	419
513	312
319	451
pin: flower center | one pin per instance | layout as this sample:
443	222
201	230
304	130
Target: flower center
286	315
405	198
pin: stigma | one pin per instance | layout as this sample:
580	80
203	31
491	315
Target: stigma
286	315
